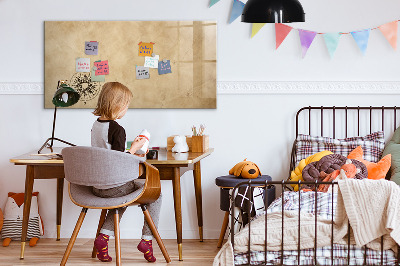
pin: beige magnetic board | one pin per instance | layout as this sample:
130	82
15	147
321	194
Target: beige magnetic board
187	47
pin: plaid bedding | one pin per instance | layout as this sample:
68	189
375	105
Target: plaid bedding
372	145
323	207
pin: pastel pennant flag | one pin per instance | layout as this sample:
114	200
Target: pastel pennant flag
213	2
237	9
281	31
389	30
361	37
256	27
332	41
306	39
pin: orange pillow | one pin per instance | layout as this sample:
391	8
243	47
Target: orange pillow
375	170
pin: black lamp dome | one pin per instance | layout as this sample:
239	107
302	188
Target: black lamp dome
273	11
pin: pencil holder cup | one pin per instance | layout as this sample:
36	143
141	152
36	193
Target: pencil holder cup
200	143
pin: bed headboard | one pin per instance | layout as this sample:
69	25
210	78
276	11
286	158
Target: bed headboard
344	121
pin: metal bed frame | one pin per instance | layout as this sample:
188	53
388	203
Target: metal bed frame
283	184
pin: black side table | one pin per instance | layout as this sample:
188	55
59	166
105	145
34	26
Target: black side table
226	183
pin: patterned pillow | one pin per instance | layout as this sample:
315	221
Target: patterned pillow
372	145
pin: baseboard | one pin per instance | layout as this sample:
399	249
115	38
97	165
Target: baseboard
259	87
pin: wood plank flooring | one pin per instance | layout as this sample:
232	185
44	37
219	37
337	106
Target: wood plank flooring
49	252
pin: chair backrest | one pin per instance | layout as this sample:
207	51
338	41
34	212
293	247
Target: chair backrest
92	166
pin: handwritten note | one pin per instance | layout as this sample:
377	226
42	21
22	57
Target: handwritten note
82	64
99	78
151	61
142	72
91	48
164	67
145	48
102	67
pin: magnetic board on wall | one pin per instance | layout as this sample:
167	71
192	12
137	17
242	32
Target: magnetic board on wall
188	47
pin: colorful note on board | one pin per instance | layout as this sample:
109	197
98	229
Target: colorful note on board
142	72
164	67
146	48
91	48
99	78
102	67
151	61
82	64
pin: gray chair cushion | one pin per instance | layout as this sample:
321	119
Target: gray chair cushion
99	167
84	196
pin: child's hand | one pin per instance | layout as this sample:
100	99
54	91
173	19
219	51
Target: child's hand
142	155
137	144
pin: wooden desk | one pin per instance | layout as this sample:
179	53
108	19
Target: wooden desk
169	165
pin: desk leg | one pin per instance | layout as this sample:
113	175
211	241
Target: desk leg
60	190
176	182
27	206
199	204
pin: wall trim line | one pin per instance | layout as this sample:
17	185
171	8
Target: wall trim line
258	87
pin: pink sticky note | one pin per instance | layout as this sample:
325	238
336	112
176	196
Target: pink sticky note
102	67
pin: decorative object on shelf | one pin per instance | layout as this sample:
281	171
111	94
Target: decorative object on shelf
200	143
63	97
273	11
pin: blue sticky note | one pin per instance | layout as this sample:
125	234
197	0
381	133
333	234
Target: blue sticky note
91	48
164	67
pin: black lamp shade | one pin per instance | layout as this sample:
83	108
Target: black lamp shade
65	96
273	11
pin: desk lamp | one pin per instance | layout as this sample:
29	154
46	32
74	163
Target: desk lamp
64	96
273	11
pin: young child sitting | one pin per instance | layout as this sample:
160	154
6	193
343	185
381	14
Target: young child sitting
106	133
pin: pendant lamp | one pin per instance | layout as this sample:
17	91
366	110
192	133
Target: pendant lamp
64	96
272	11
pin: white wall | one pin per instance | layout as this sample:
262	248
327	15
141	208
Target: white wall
257	127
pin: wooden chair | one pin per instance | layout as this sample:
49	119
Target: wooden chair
85	167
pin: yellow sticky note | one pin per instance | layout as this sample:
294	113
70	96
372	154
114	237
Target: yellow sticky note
145	48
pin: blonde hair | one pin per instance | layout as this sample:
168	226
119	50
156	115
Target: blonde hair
113	97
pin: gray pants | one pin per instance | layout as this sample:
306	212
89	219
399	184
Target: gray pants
153	208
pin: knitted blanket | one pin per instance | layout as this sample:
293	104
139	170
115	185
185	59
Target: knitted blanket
371	207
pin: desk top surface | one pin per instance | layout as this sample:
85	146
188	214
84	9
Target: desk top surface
164	157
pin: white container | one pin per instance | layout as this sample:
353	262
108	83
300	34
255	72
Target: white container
144	134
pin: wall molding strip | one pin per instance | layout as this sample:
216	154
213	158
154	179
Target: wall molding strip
259	87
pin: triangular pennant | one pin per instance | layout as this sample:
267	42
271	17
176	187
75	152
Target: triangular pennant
361	37
332	41
213	2
255	28
389	30
281	31
237	9
306	39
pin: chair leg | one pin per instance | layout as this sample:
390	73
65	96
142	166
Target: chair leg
73	237
223	229
101	222
154	230
117	239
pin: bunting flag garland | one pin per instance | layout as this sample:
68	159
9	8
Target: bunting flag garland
213	2
332	41
389	30
306	39
361	37
237	9
256	27
281	31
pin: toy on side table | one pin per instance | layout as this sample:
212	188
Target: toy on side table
245	169
13	215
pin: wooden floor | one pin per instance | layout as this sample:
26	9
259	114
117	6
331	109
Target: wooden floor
50	252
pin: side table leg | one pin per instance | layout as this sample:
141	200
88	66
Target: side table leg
176	184
60	191
199	204
223	229
27	206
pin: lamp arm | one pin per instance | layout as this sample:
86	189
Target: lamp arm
54	126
